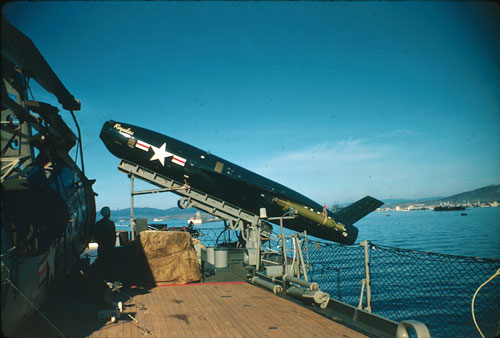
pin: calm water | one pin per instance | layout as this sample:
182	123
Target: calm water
447	232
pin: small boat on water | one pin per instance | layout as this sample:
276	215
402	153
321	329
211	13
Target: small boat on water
196	220
449	207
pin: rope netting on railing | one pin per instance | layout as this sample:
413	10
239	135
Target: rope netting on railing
435	289
217	236
338	269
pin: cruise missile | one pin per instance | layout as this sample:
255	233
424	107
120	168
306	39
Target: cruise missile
217	177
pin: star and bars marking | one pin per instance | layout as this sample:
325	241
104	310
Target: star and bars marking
160	153
142	145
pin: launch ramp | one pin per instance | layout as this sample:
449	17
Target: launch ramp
191	197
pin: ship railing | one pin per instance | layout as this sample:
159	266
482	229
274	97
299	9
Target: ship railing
435	289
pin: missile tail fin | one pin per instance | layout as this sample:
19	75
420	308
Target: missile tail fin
356	211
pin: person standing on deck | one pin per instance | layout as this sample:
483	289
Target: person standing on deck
105	236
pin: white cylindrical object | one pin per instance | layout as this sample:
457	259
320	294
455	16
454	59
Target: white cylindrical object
211	255
221	258
263	213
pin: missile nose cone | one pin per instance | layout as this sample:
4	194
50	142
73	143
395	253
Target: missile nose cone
115	136
107	126
106	131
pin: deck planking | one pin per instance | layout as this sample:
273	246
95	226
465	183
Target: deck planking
194	310
219	310
223	308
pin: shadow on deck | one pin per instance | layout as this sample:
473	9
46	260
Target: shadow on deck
223	306
73	308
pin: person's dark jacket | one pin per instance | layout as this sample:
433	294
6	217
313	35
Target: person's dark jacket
105	236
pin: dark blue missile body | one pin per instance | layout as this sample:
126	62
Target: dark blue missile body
229	182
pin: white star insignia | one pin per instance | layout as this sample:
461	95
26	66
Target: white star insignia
160	154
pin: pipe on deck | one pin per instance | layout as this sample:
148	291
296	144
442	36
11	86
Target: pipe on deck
310	285
268	285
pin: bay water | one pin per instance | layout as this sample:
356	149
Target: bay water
447	232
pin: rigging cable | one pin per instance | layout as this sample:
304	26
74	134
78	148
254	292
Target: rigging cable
29	302
79	140
474	298
29	89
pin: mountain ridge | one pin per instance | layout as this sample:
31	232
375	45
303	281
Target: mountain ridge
487	194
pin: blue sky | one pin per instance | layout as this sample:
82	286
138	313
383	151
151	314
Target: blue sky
336	100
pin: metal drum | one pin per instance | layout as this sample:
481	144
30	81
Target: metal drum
221	258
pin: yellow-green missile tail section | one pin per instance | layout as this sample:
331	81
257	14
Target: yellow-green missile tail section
319	217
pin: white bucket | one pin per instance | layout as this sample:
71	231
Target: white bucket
221	258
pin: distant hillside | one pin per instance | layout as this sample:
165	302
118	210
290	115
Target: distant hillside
487	194
400	201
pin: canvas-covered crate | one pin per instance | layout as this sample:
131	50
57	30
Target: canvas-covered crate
171	256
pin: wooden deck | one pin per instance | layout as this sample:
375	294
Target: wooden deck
224	306
229	309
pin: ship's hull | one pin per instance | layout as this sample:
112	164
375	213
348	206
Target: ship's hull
47	203
45	227
446	208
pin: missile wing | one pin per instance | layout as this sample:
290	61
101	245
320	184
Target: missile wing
231	183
